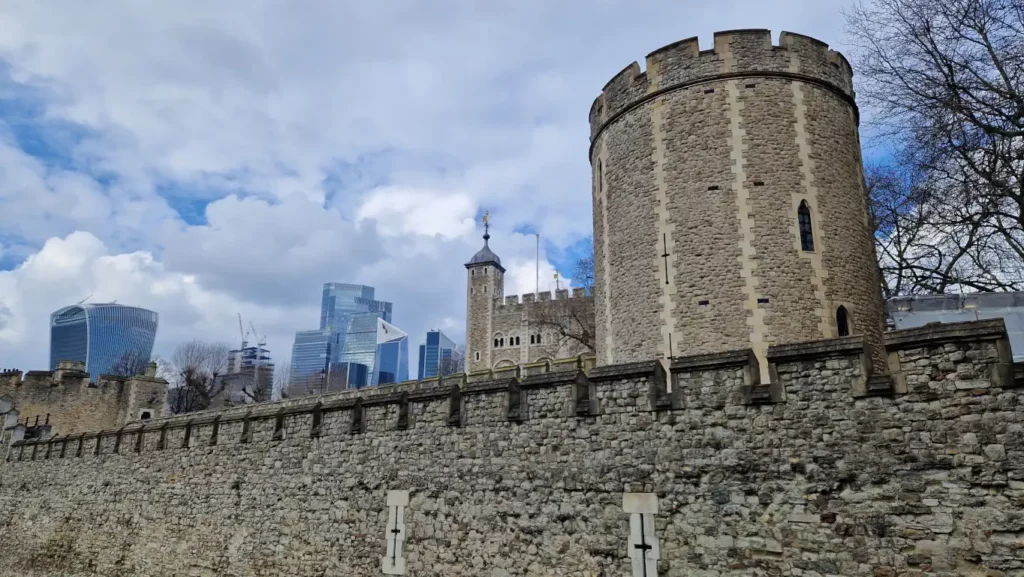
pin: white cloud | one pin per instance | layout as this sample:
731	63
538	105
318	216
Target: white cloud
336	142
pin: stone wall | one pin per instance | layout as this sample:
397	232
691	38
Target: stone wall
819	477
76	404
536	315
700	165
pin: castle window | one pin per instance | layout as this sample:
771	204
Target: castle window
485	270
804	219
477	355
472	272
842	322
600	176
495	343
538	339
532	338
501	342
517	341
146	415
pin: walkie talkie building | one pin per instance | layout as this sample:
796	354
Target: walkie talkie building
103	335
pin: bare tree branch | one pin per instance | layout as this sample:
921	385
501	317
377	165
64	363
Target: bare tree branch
198	368
943	81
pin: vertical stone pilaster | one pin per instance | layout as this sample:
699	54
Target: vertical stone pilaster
664	253
748	260
606	284
809	193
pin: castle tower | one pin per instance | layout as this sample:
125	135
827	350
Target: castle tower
485	284
729	203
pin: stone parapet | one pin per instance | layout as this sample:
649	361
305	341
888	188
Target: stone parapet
736	54
928	482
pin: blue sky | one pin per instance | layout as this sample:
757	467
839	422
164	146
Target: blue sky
209	159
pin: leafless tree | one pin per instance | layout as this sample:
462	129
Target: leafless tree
282	377
454	364
943	81
198	368
129	365
573	319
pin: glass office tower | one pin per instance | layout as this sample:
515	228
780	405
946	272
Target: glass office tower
379	346
392	354
340	303
102	335
311	354
438	351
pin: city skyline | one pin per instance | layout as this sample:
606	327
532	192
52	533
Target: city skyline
434	352
199	209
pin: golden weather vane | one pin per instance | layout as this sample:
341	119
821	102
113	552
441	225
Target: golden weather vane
487	216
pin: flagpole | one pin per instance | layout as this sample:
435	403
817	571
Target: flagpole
538	262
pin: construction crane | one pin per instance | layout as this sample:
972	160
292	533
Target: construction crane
241	331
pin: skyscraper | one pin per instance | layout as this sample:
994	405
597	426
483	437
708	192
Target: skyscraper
438	351
392	354
105	336
339	303
311	354
379	346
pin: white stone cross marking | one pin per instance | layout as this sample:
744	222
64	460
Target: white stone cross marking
394	563
643	545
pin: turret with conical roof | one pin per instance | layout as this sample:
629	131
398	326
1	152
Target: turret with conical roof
485	282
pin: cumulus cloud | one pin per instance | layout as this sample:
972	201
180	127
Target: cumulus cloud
210	158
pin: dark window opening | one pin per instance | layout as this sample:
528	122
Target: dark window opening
146	415
842	322
806	233
703	303
538	339
495	343
758	183
762	301
532	339
709	91
750	85
713	187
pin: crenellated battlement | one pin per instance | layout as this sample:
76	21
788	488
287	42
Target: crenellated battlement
546	447
518	302
735	54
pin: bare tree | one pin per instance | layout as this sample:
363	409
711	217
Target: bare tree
282	377
129	365
198	371
944	83
573	319
454	364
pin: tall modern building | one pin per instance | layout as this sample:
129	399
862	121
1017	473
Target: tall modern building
311	354
438	351
392	364
103	336
340	303
378	345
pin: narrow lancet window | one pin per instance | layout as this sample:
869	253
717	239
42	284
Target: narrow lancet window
806	234
842	322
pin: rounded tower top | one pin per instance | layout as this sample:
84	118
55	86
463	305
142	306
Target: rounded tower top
736	54
485	255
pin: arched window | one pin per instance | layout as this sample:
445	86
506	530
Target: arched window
472	272
501	342
495	343
531	339
842	322
485	270
478	355
538	339
517	341
806	233
600	176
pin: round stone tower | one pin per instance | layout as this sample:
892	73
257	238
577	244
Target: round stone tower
729	203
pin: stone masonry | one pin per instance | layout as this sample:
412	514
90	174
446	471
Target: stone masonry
503	332
551	475
76	404
700	165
